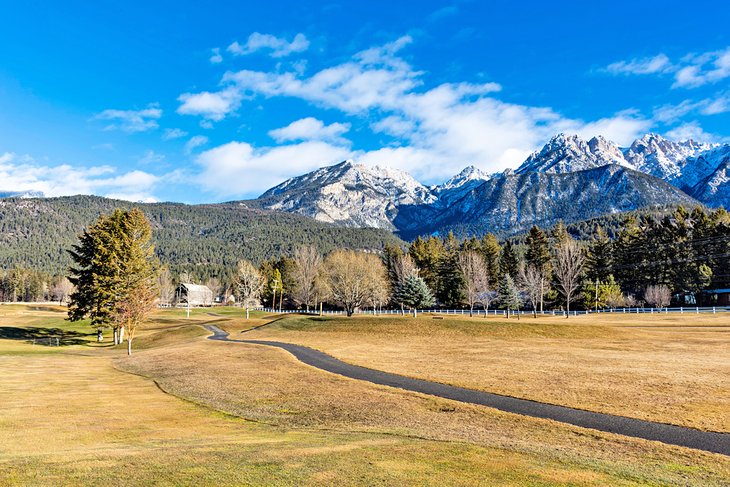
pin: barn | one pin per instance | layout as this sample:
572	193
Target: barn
189	294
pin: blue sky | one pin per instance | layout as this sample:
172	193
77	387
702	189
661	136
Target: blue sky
214	101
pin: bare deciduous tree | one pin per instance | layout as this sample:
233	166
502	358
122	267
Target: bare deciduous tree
62	290
249	283
215	285
307	262
166	286
352	277
533	282
476	279
568	268
133	308
658	296
379	294
404	267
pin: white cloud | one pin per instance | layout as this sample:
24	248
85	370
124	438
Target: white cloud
436	131
310	128
171	134
708	106
151	157
691	71
721	104
652	65
706	68
215	56
194	142
278	46
693	130
23	173
622	128
237	168
131	120
211	106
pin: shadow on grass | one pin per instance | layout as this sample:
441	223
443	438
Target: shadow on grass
45	336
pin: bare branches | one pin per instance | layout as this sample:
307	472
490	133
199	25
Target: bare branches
658	296
249	283
568	268
476	279
352	278
307	262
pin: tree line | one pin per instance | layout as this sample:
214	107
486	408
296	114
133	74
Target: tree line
652	260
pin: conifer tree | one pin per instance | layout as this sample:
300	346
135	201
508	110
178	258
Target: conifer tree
508	295
491	250
114	273
508	260
414	293
450	290
427	255
599	259
538	258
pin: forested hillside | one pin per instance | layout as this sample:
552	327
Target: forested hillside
203	239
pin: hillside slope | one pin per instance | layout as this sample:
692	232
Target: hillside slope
203	239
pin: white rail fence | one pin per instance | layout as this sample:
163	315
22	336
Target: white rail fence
502	312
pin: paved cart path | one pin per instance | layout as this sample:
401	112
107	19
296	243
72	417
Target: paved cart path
648	430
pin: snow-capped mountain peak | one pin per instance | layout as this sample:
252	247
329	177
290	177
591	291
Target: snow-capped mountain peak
569	153
666	159
467	175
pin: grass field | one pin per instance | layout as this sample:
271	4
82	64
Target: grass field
187	411
666	368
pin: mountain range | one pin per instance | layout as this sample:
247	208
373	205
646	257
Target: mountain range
569	179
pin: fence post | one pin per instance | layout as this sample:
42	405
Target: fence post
681	310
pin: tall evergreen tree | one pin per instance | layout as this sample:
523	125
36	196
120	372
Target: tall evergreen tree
491	250
508	261
599	259
450	291
508	295
538	257
427	255
414	293
114	273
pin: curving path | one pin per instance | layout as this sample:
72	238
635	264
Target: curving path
648	430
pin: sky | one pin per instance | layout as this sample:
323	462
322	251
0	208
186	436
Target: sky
217	101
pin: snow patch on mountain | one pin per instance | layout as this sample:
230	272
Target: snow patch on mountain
570	153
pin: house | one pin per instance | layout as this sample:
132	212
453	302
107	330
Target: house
189	294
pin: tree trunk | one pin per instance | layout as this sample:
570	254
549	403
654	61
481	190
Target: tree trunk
273	302
471	311
246	312
567	307
281	297
99	335
415	313
121	334
116	335
129	346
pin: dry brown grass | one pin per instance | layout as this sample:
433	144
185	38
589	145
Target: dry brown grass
673	369
69	416
268	385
